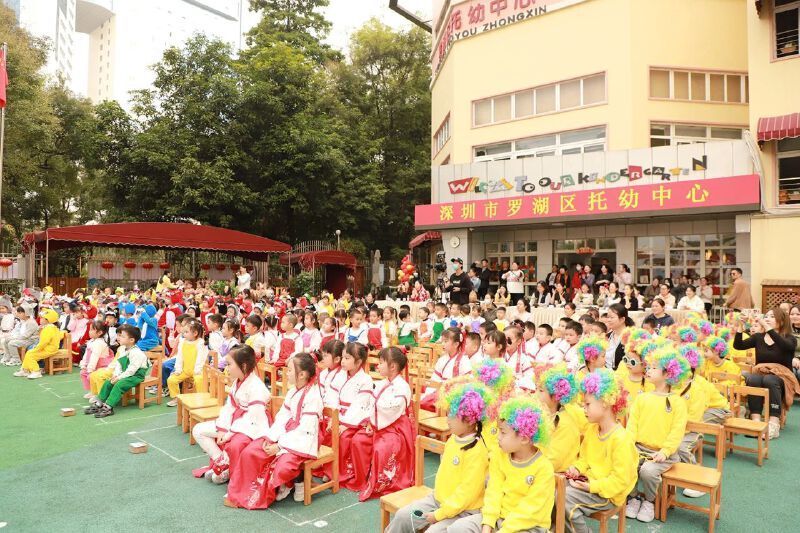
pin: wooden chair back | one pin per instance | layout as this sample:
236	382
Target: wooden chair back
424	443
739	394
718	431
275	404
717	377
561	503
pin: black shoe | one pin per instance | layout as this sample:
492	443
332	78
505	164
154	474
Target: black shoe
92	409
104	412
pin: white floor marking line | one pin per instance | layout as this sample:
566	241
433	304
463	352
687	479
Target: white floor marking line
54	393
327	515
151	430
135	418
285	517
162	451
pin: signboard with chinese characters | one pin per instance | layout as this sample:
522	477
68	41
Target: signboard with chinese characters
735	193
470	18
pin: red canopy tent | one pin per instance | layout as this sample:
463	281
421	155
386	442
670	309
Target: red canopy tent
338	266
161	235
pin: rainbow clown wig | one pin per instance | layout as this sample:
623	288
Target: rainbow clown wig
633	335
704	327
559	383
692	354
603	385
725	333
674	366
648	346
469	401
496	375
717	345
687	334
527	418
590	348
734	316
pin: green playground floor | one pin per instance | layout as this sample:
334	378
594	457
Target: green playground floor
76	474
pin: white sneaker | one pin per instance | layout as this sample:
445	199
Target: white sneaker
22	373
774	430
632	509
172	403
34	375
691	493
299	492
647	512
208	475
282	493
221	478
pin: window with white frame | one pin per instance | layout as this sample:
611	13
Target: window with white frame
442	136
789	171
662	134
711	256
501	254
567	142
694	86
787	28
561	96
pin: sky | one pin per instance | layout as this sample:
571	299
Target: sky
348	15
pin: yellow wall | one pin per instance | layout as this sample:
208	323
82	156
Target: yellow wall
774	257
621	37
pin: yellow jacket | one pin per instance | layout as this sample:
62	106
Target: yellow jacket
490	434
702	395
611	462
656	426
562	450
49	341
727	366
522	494
633	386
461	478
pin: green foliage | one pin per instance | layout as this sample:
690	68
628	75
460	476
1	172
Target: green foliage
302	283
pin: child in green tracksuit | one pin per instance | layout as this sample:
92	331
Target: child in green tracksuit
129	370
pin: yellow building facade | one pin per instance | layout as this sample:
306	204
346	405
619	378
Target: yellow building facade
590	101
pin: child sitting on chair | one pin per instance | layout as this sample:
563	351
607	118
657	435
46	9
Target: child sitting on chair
192	355
49	340
97	354
557	391
461	478
128	371
270	466
605	472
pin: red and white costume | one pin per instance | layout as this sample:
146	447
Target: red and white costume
381	458
312	339
571	357
446	367
326	337
256	477
288	345
243	419
519	362
376	338
352	396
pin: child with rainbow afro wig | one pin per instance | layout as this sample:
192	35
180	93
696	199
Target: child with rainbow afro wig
591	352
458	491
605	471
521	489
557	391
717	355
657	424
499	378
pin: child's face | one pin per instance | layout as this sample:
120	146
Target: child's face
327	326
179	328
286	325
513	343
501	314
571	336
373	317
349	362
308	321
527	334
422	315
230	312
233	369
327	360
568	311
594	409
594	328
356	319
190	334
111	320
654	374
227	331
212	326
125	340
291	373
249	328
634	363
440	312
455	310
471	347
561	325
458	426
542	337
648	328
508	439
384	368
387	314
450	345
94	334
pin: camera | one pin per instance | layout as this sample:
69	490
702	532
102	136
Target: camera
441	265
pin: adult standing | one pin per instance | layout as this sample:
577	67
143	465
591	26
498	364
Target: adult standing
551	278
486	278
514	284
242	279
651	292
459	285
501	273
706	293
588	277
739	296
623	276
604	276
617	320
164	283
775	350
576	280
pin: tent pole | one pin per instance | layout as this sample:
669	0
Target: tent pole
267	284
46	258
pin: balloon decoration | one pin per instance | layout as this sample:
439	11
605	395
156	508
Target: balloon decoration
164	266
106	265
129	264
147	265
408	270
205	266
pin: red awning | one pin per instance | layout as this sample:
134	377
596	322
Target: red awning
777	128
424	237
156	235
309	260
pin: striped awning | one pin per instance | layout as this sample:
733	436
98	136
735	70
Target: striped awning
780	127
423	237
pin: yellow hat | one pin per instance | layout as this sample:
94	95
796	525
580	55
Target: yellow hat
49	315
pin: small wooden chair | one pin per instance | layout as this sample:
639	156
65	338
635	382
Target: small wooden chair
696	477
601	516
744	426
326	455
276	377
139	393
194	400
722	377
436	424
61	361
390	503
217	389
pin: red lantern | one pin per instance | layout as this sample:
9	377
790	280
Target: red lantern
220	267
164	266
107	265
129	264
147	265
235	267
205	266
5	262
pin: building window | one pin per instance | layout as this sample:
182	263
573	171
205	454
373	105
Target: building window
662	134
594	252
566	142
694	86
789	171
562	96
442	136
787	28
711	256
501	254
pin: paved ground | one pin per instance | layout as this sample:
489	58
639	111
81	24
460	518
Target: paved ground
75	474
